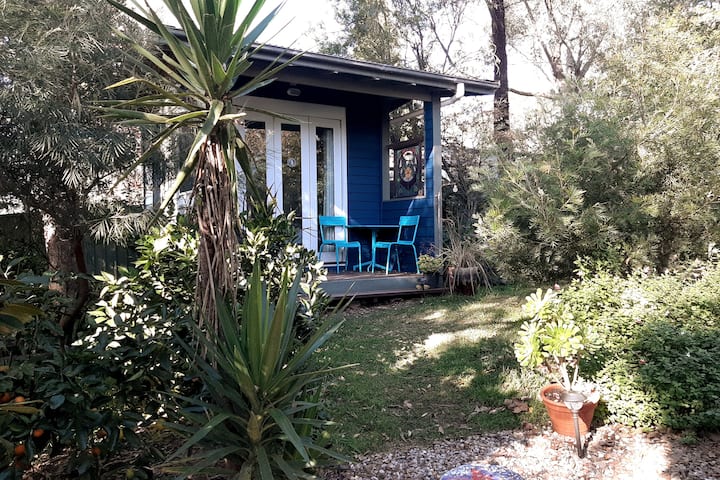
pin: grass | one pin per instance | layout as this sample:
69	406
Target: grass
426	368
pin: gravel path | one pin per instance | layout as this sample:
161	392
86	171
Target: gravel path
613	452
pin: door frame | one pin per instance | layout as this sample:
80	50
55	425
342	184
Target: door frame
309	116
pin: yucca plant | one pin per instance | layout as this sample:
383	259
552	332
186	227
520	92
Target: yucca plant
257	415
191	80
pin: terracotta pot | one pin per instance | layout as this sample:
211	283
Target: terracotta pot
560	415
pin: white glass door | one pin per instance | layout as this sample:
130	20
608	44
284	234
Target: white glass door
303	160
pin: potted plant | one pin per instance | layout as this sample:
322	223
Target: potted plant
553	341
432	268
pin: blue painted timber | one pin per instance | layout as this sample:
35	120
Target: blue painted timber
365	116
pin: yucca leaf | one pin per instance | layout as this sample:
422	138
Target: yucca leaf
264	465
154	146
283	421
181	119
198	52
122	83
162	93
337	456
256	311
200	434
149	118
315	342
241	37
272	354
180	51
290	472
192	157
138	17
200	463
179	74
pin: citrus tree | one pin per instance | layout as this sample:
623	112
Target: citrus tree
190	79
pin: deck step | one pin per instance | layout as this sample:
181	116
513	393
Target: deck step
375	285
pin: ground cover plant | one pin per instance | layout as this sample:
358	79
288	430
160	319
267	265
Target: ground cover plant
659	360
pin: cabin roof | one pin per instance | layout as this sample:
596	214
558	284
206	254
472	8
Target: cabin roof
344	74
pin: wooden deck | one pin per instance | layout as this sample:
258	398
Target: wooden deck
368	285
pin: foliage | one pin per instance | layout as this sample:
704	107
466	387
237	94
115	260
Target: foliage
568	38
369	32
550	206
658	358
258	410
430	263
56	155
192	82
269	241
427	35
466	267
623	174
551	339
79	396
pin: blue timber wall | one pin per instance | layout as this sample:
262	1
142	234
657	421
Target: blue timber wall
365	114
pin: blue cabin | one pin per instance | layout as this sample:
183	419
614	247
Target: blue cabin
336	136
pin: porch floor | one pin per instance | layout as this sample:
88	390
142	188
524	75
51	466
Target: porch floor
369	284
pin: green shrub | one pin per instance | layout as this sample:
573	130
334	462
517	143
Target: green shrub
74	397
271	242
257	417
659	363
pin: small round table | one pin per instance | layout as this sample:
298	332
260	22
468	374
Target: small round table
480	472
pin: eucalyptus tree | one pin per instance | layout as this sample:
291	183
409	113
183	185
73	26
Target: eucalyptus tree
56	156
369	32
190	79
427	35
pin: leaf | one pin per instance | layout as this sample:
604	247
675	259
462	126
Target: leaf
56	401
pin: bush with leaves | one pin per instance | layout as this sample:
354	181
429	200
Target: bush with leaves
270	241
257	417
627	169
659	360
57	396
562	200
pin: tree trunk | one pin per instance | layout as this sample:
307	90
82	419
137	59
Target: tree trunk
66	256
216	209
502	101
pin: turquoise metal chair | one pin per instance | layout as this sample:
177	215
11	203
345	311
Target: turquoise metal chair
407	230
328	226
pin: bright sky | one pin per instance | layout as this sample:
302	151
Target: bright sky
295	24
301	19
299	22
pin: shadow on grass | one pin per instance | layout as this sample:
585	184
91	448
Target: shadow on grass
427	369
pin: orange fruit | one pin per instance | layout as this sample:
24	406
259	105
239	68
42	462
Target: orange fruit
5	397
19	450
96	451
38	432
19	399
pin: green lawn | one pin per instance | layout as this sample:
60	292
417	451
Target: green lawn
426	368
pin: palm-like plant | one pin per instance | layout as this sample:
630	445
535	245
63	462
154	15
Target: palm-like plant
258	415
192	81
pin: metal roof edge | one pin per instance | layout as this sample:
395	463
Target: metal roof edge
378	71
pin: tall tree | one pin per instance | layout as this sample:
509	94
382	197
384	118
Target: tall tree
195	76
422	34
569	37
56	155
501	107
369	32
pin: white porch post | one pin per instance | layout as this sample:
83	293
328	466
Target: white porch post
436	156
